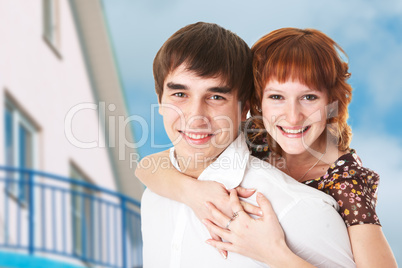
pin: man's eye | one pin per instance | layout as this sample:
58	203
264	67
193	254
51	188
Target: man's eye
217	97
276	97
310	97
179	94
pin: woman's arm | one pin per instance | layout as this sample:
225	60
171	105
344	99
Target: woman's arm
370	247
357	196
260	239
158	174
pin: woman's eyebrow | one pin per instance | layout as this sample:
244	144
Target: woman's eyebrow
270	89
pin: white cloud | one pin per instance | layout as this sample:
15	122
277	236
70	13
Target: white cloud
357	25
368	30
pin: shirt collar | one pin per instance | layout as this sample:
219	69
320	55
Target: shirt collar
228	168
172	156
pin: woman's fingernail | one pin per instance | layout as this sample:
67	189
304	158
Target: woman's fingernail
208	242
223	254
259	194
204	221
260	212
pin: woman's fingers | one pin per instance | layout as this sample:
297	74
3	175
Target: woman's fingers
216	238
218	217
251	209
221	246
212	228
265	205
235	202
244	192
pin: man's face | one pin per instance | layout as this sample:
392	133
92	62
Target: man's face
201	115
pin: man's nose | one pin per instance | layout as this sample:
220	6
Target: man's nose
198	115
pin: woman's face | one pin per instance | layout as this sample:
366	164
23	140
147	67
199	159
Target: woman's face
294	115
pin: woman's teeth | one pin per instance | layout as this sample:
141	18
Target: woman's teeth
294	131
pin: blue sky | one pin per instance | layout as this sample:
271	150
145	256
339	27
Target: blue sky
369	31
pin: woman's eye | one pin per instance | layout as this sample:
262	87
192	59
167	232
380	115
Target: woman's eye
310	97
275	97
179	94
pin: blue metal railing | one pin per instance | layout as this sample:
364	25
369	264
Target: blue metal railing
50	214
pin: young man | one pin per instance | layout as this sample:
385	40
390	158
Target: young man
202	79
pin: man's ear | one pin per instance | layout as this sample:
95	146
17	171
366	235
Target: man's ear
245	110
160	105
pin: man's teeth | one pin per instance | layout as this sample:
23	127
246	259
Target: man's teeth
196	136
294	131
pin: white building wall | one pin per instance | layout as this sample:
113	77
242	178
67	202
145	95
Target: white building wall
47	87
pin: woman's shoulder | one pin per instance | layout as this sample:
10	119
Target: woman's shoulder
350	166
347	167
353	186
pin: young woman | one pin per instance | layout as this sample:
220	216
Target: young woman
301	98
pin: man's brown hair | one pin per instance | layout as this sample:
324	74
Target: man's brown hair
208	50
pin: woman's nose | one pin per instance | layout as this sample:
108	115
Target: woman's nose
294	114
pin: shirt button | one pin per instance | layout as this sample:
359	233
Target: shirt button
175	246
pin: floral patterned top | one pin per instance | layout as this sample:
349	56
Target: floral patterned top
353	186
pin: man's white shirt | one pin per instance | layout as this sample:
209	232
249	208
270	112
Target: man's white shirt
174	237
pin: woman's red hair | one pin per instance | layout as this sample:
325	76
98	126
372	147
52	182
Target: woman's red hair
311	58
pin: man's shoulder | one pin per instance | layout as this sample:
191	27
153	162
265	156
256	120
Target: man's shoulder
260	168
264	175
149	198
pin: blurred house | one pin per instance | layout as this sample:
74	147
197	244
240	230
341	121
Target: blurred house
68	195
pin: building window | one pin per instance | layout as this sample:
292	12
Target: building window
51	24
82	215
9	144
20	142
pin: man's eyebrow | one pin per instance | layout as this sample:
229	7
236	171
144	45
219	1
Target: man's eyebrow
172	85
222	90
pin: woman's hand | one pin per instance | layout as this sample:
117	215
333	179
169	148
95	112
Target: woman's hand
260	239
159	175
201	192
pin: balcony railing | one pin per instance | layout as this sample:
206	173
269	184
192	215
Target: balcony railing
67	219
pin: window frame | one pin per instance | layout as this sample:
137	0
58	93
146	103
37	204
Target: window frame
19	121
51	25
